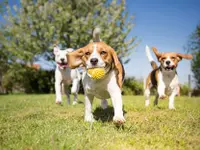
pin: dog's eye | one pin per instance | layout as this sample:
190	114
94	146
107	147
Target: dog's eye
103	52
173	58
87	53
163	59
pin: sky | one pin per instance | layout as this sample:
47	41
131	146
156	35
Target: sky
164	24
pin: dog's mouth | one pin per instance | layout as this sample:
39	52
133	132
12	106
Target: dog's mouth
62	65
169	68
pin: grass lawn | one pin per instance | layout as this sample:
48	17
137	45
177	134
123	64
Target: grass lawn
36	122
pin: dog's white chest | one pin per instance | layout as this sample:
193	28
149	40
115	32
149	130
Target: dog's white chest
171	85
98	88
65	75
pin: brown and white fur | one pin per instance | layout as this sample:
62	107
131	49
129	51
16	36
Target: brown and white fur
98	54
164	77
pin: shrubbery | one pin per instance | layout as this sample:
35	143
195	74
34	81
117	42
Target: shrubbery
132	86
25	79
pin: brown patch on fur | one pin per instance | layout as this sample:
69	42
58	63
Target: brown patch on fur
154	65
175	57
108	55
152	78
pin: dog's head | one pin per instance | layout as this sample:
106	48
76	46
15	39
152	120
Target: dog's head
60	57
169	61
96	55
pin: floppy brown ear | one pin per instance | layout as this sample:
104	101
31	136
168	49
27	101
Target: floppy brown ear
186	56
74	58
119	68
158	55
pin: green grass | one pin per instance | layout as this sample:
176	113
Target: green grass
36	122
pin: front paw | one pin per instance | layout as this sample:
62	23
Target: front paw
119	120
172	108
58	102
89	118
162	96
74	103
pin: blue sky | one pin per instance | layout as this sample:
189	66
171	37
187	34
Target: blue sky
165	24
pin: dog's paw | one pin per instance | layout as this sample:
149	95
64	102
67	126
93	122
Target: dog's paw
58	102
119	120
162	96
74	103
147	103
89	118
172	108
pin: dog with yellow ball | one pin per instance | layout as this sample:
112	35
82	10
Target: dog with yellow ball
103	76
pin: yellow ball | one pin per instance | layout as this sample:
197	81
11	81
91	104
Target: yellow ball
96	73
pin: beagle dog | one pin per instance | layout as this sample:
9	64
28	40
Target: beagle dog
64	76
98	54
164	77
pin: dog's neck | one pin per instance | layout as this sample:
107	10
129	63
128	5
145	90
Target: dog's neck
168	76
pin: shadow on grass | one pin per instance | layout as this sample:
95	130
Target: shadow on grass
105	115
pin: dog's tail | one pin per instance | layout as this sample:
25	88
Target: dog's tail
96	34
150	58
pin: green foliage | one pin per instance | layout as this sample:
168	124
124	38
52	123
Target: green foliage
36	25
31	30
3	3
184	89
20	78
194	47
36	122
132	86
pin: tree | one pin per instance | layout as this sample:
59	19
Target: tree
194	47
34	26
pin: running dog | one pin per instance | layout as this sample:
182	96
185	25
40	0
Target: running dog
164	77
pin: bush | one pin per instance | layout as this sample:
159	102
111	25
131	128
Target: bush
132	86
184	89
20	78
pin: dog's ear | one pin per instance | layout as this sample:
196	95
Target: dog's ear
186	56
75	58
56	49
118	67
158	55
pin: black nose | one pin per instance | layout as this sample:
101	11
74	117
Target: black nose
168	62
62	59
94	61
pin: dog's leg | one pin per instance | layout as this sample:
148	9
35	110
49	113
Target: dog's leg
75	99
147	96
75	89
116	97
161	90
171	99
161	87
104	103
88	108
58	92
68	95
156	100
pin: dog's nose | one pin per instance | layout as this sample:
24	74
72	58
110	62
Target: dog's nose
168	62
94	61
62	59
